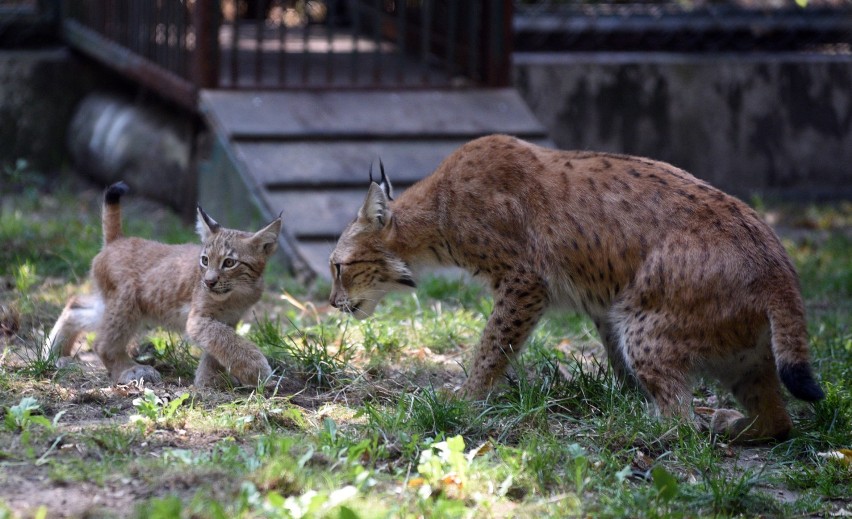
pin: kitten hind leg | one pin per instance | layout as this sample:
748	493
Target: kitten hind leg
81	314
111	342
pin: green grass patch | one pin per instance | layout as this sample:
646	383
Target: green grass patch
372	428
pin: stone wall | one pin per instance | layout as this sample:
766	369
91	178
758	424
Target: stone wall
763	123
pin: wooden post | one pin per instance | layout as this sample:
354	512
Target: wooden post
205	18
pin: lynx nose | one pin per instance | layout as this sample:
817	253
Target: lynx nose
333	302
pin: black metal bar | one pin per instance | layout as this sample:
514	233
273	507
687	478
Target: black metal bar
205	58
473	41
377	41
282	47
260	18
355	7
452	36
402	25
130	64
425	39
331	6
306	61
235	47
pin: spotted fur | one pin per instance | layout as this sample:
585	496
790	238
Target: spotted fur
201	289
681	279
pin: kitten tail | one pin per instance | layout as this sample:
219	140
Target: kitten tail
111	218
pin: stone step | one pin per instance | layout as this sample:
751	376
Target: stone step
308	154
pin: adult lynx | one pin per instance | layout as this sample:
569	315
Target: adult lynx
203	290
680	279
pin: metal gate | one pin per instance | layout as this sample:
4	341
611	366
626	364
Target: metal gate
177	47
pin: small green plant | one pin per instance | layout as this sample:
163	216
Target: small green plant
151	409
24	417
21	417
444	467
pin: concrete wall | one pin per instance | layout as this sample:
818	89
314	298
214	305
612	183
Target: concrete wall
765	123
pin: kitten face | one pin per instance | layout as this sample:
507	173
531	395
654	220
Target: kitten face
230	259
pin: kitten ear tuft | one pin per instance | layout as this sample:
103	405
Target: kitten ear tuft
205	226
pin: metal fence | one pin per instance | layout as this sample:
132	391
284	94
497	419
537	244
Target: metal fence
177	47
684	26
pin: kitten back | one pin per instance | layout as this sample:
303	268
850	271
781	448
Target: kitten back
111	218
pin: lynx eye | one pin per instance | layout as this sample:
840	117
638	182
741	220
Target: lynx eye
229	263
337	270
204	260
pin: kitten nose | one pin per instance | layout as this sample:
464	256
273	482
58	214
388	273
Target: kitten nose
333	302
211	282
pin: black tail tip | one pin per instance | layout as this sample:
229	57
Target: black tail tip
114	192
800	381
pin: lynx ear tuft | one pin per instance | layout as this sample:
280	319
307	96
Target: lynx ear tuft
267	238
205	226
384	181
375	211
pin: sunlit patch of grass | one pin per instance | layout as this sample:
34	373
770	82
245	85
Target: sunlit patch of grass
315	353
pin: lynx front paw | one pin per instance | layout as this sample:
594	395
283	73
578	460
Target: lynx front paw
137	372
470	391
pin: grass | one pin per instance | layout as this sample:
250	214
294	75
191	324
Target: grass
361	424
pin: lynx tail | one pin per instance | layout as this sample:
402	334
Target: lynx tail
112	211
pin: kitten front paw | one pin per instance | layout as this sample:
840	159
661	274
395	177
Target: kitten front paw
137	372
64	362
251	371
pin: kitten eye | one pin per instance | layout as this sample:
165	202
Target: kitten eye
229	263
204	260
337	270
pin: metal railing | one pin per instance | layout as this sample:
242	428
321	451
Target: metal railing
677	26
179	46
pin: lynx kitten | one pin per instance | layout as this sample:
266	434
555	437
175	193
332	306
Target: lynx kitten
202	290
680	279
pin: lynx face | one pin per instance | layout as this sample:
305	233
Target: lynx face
363	267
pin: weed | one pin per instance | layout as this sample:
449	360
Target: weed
153	410
310	351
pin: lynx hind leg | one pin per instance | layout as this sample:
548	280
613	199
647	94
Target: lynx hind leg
615	355
660	365
756	387
111	341
81	314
